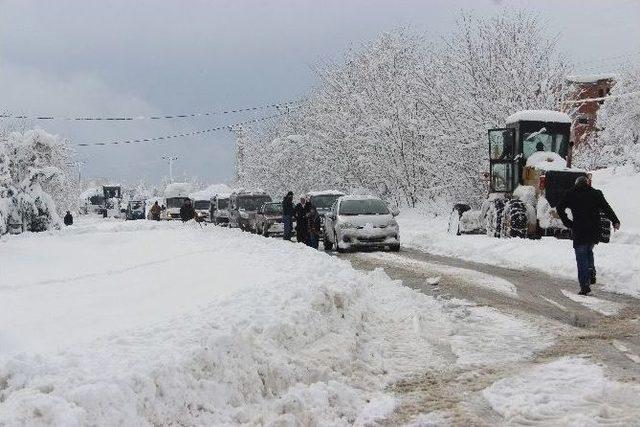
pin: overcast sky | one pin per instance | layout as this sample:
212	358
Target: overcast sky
124	57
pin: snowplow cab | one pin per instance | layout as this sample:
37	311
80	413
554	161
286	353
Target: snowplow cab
526	133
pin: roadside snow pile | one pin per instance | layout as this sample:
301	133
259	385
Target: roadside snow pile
156	323
617	262
570	392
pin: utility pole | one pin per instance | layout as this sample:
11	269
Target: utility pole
170	159
79	165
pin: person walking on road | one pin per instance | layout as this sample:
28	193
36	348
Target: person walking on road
314	223
68	219
155	211
287	215
301	221
586	205
187	212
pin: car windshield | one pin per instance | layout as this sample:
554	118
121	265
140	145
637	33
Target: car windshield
363	207
324	201
252	203
135	206
96	200
273	209
542	141
201	204
176	202
223	203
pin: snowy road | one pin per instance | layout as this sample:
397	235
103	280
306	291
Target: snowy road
604	329
144	323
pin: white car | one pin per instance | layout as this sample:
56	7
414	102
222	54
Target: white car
357	222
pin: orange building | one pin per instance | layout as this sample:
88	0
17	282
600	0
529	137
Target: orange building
585	114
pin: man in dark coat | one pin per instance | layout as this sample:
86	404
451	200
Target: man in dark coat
586	205
68	219
313	227
186	211
287	215
301	221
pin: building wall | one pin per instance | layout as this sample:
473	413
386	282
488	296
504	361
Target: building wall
585	115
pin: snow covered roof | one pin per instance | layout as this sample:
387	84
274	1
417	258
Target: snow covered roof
359	197
91	192
210	192
539	116
590	78
325	193
177	189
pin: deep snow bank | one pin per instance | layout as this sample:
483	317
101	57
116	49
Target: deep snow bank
146	323
617	262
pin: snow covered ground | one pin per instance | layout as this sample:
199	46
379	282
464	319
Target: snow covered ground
618	262
153	323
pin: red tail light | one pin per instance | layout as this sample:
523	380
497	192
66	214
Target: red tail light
543	182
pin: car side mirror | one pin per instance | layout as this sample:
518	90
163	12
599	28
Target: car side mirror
395	211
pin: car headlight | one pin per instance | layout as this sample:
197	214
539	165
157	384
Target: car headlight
392	223
345	225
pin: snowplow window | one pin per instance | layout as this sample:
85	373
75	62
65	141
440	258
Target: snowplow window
533	142
502	177
501	144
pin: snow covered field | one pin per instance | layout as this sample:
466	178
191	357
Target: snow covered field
146	323
617	262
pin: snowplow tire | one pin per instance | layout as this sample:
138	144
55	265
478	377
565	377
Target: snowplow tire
493	219
514	220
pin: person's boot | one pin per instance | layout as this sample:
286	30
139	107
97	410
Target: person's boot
584	290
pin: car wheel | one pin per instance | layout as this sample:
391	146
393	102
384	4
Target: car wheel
394	248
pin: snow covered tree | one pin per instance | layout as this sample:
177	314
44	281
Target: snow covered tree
34	176
406	119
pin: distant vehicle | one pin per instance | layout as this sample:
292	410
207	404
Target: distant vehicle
175	195
135	210
268	220
92	201
203	210
357	222
243	206
112	202
220	209
323	200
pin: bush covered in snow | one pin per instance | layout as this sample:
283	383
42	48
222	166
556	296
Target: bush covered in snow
406	118
34	180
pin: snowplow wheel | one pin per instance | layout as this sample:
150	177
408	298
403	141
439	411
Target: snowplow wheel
514	220
493	217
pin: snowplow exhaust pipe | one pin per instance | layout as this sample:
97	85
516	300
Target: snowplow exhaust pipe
570	154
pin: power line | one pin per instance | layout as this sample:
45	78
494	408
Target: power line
159	117
182	135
